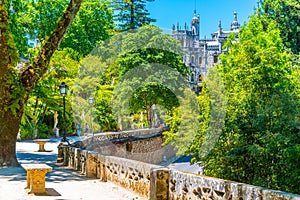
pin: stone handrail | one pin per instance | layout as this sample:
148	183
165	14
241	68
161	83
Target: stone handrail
157	182
110	136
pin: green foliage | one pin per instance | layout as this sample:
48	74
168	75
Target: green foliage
85	85
286	13
37	19
92	24
21	25
131	14
260	141
45	100
103	111
132	60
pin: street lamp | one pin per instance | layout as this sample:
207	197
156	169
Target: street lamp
63	88
91	102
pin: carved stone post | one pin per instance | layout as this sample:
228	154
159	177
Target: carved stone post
71	157
77	159
91	164
102	169
83	160
60	155
159	183
65	155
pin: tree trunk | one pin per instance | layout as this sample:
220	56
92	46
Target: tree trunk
9	127
14	94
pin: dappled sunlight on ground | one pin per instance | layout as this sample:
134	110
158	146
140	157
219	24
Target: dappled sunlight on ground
61	182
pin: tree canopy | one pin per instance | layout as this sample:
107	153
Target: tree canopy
17	84
286	13
131	14
259	143
133	57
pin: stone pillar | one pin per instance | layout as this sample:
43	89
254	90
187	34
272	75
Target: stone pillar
65	155
83	161
71	157
91	164
159	183
102	169
77	159
60	156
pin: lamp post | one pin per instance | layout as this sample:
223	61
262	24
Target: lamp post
63	88
91	102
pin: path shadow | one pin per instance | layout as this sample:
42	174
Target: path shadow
36	157
49	192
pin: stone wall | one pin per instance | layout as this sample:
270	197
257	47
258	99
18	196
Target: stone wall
150	150
159	183
145	145
115	136
191	186
130	174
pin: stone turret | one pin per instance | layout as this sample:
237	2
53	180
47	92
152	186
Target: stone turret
235	24
196	25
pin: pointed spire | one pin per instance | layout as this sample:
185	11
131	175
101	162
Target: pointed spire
219	28
235	24
235	16
220	25
195	19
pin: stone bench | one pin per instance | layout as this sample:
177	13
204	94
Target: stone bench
36	177
41	143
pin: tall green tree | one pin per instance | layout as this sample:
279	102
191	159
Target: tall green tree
91	25
135	59
260	143
287	15
131	14
16	86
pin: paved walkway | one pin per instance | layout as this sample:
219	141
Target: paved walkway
62	183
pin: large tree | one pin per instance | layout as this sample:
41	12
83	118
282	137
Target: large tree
287	15
133	59
260	141
16	85
131	14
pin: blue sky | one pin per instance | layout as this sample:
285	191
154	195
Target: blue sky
168	12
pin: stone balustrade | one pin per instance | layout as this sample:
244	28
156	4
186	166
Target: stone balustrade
133	175
157	182
111	136
145	145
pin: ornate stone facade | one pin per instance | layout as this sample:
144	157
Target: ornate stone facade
201	54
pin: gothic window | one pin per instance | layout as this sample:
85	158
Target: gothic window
200	60
192	77
192	59
193	30
215	57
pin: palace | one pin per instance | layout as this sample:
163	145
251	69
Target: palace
201	54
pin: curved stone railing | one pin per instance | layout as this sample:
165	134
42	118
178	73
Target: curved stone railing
133	175
145	145
157	182
111	136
